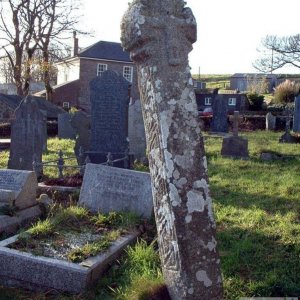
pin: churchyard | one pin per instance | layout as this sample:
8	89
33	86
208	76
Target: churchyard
256	204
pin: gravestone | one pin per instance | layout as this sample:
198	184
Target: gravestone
296	124
27	136
81	124
18	188
219	120
159	35
65	129
109	95
270	121
136	130
105	189
287	137
235	146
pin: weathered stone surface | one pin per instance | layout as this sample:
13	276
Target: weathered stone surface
270	121
18	188
109	116
159	36
65	129
27	136
106	189
81	123
219	121
296	124
40	273
136	130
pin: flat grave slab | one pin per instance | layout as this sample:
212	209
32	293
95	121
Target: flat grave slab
40	273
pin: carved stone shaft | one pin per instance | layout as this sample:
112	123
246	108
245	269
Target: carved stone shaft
159	35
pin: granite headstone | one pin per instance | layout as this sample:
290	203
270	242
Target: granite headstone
105	189
219	121
65	129
136	130
109	95
27	136
296	124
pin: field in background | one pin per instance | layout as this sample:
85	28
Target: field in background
221	81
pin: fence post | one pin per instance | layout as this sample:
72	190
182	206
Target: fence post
109	159
60	164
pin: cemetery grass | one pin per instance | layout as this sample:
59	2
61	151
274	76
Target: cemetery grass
257	210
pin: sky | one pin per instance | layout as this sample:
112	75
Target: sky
229	32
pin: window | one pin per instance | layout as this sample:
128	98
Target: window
232	101
101	68
66	105
127	73
207	101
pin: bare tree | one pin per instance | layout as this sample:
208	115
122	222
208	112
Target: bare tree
36	25
278	52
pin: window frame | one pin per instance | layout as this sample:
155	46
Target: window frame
99	72
208	101
67	104
129	74
232	101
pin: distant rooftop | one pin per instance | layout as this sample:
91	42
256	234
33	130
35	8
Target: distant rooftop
106	50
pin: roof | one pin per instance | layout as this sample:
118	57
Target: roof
13	102
43	92
244	75
106	50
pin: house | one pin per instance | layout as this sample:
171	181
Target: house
9	103
11	89
75	73
253	81
234	99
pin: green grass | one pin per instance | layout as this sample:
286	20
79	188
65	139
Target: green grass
257	210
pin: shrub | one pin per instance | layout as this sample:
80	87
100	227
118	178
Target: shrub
286	92
256	101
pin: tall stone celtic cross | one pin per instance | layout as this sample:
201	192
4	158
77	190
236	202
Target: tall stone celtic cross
159	35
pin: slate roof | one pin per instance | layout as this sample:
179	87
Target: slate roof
13	102
106	50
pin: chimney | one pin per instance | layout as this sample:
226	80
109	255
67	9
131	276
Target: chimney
75	49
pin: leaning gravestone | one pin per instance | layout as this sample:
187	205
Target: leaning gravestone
270	121
159	35
235	146
219	120
296	124
18	188
27	136
109	116
81	123
105	189
65	129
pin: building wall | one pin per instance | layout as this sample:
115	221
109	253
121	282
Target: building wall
88	71
67	93
68	71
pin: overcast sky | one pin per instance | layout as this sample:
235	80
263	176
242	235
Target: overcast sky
229	32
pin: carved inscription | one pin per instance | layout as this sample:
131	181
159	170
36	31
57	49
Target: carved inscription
9	182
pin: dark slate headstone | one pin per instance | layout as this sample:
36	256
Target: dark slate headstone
296	124
235	146
219	121
27	136
65	129
81	124
109	116
270	121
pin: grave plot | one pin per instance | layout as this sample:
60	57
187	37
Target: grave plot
67	252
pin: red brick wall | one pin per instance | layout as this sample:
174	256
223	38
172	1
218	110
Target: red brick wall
67	93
